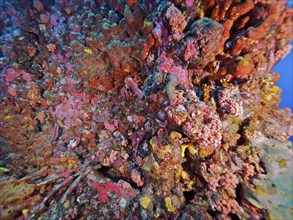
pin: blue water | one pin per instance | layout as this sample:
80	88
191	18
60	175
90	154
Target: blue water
285	69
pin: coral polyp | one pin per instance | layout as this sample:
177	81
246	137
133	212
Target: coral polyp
143	109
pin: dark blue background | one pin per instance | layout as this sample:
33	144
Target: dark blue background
285	69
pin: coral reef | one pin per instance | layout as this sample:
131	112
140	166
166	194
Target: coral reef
144	109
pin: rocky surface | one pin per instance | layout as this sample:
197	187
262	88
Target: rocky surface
129	109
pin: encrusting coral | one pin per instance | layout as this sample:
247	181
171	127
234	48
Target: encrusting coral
128	109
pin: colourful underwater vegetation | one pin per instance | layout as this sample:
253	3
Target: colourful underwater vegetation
127	109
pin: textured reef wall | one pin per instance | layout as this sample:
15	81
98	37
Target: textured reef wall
128	109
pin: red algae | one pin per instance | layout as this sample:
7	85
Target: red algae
144	109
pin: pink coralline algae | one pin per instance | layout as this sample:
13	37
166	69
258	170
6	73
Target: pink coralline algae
144	110
191	49
120	189
12	74
230	101
207	135
111	127
177	21
68	111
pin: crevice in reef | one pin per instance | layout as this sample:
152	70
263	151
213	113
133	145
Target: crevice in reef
242	140
189	196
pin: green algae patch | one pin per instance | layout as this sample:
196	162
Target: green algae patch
273	190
